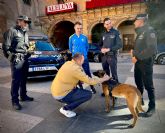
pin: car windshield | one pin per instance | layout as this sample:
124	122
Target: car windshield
44	46
93	46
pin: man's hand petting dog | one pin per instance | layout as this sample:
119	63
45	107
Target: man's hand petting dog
105	78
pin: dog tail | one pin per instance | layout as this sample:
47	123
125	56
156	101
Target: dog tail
139	104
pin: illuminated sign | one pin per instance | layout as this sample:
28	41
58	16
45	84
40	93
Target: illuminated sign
66	7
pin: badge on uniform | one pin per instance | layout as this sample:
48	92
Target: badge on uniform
112	36
19	34
103	38
141	36
152	35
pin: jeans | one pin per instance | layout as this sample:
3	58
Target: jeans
87	71
75	98
86	67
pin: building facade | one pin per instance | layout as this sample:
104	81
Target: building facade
91	13
58	24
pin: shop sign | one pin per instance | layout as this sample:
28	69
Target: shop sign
66	7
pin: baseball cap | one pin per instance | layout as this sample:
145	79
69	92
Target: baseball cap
25	18
141	16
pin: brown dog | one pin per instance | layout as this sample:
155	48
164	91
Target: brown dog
129	92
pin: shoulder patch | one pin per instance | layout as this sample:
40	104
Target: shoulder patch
152	35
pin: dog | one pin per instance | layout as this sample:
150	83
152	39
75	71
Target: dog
129	92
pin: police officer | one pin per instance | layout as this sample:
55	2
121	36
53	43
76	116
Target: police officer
16	46
78	43
110	43
143	56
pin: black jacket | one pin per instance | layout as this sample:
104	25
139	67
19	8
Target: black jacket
111	40
145	43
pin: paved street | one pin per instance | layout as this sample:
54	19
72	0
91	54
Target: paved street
43	116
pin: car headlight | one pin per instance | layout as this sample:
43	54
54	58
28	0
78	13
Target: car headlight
34	56
58	56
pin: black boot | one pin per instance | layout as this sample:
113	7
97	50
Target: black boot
142	102
93	89
27	98
151	105
16	106
150	112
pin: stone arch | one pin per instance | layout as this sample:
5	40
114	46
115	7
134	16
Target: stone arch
54	23
90	27
60	31
127	32
116	25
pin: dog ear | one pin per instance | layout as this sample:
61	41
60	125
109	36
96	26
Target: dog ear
102	72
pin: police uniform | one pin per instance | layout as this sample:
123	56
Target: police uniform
79	44
16	46
110	39
144	51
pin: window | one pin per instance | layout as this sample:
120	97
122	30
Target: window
28	2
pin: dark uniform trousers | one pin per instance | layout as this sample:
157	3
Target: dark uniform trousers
143	74
109	63
19	71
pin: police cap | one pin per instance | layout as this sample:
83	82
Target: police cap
25	18
141	16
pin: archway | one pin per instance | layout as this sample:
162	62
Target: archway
127	32
97	30
62	31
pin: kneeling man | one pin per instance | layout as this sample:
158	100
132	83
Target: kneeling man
64	85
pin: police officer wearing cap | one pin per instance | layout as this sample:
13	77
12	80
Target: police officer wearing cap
110	43
16	46
143	56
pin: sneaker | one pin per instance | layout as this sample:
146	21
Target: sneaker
67	113
27	98
16	106
93	90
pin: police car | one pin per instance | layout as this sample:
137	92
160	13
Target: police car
94	54
160	57
45	60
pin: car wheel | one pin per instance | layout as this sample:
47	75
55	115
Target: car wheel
161	60
96	58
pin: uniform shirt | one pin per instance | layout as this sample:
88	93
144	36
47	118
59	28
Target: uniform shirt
145	43
79	44
67	78
110	39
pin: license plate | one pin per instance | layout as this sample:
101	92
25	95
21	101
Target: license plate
42	68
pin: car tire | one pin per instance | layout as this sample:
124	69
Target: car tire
161	59
96	58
